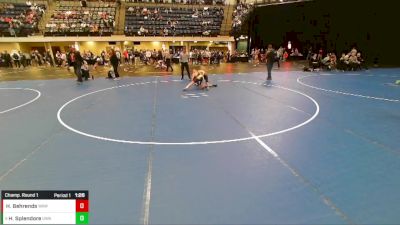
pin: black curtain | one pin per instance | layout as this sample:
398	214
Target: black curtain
334	25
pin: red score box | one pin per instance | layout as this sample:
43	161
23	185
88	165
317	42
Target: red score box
82	205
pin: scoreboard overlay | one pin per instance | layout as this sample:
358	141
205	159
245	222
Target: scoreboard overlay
44	207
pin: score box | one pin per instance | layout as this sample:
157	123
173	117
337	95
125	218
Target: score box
44	207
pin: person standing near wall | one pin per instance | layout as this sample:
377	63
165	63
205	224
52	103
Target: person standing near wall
75	60
270	61
28	59
114	61
49	58
184	60
22	59
119	56
71	59
78	66
16	58
8	59
168	60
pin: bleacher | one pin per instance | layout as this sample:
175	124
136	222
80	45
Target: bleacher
142	21
186	2
73	20
20	20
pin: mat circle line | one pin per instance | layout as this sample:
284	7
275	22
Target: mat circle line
185	143
341	92
26	103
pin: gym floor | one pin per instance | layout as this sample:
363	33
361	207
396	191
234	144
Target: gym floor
308	148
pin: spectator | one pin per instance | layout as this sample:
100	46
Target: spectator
296	53
7	59
333	61
314	62
342	64
309	53
85	70
325	62
28	59
48	58
16	59
114	63
58	58
21	20
239	14
78	62
353	61
270	61
87	20
83	3
204	21
168	60
285	56
361	62
320	54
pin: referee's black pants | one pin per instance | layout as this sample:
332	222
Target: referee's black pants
168	62
269	68
115	67
183	66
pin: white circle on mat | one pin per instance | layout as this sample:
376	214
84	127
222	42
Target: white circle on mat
26	103
185	143
299	80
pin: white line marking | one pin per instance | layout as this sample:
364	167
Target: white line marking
291	107
265	146
343	93
12	169
184	143
176	80
296	109
19	163
350	74
304	180
392	85
27	103
294	172
163	81
147	192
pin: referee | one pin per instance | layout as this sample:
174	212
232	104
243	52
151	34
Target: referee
184	59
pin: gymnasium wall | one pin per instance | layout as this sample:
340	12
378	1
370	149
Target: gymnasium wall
27	47
98	47
9	47
150	45
95	47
